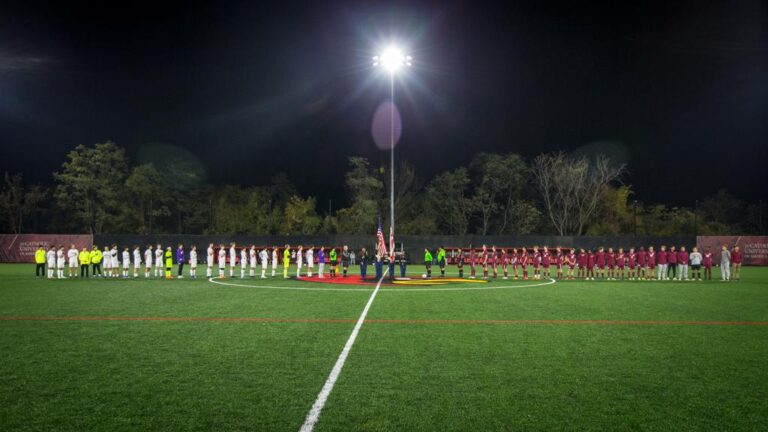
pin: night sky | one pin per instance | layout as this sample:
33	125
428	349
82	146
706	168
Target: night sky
677	90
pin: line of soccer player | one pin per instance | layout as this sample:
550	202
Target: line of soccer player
610	264
641	264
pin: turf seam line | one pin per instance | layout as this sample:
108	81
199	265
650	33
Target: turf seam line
268	320
314	413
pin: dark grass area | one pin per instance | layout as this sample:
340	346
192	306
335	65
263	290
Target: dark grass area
218	375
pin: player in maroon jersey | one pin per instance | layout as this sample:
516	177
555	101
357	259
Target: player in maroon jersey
494	261
651	263
536	262
707	263
671	263
642	263
484	261
632	263
460	262
571	261
610	261
582	262
661	260
515	261
736	259
559	262
590	265
600	262
472	262
524	258
620	262
505	263
545	261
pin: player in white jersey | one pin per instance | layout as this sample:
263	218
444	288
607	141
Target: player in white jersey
148	261
60	262
193	263
310	255
115	264
299	260
274	260
252	260
126	263
136	260
209	262
159	260
222	261
243	261
232	259
50	258
264	256
106	262
72	254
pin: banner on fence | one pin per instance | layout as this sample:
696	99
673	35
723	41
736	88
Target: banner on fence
754	248
16	248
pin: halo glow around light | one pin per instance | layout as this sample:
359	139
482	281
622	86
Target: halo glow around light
392	59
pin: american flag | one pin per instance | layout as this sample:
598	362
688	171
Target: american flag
382	245
391	241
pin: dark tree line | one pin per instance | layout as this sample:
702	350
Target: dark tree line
98	190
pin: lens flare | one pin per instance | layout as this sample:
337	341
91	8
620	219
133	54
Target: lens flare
386	125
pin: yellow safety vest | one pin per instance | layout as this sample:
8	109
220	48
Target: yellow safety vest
85	258
96	256
40	256
286	257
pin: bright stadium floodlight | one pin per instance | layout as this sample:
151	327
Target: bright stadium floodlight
392	59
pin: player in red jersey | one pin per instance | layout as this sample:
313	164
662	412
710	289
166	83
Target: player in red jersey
610	261
590	265
472	262
571	261
707	263
546	257
736	258
582	261
620	262
484	260
632	263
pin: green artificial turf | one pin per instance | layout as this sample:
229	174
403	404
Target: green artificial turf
520	357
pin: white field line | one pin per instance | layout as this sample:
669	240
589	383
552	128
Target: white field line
314	413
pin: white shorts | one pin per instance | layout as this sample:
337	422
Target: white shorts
107	263
148	264
126	265
193	263
73	262
159	262
264	264
60	264
137	265
210	261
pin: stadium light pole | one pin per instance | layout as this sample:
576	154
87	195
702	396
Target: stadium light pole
392	60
